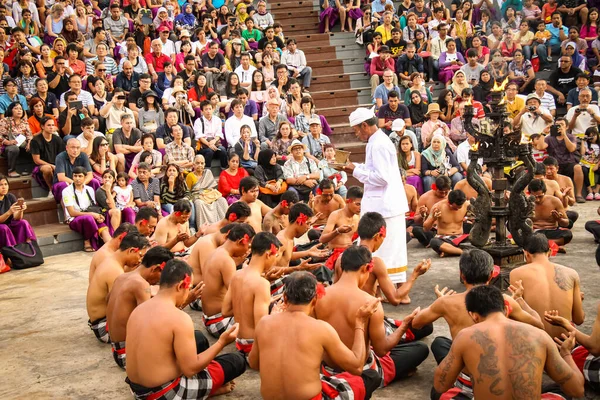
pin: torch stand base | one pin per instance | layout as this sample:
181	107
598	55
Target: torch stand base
507	258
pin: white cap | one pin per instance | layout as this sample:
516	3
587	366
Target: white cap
398	125
360	115
571	44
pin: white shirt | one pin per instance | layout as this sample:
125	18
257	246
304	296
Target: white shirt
206	129
84	142
380	175
584	120
531	124
245	75
82	202
462	154
168	48
547	101
233	126
84	97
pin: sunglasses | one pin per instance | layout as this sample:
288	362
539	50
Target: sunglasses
102	69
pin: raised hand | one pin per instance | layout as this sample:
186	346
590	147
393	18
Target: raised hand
565	343
517	289
553	318
444	292
422	267
367	309
230	334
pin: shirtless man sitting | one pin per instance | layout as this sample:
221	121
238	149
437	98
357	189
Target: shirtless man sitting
507	359
127	257
468	190
476	269
249	295
162	357
325	202
276	219
586	356
237	212
448	215
146	220
129	291
278	346
173	232
412	197
372	233
109	247
567	189
439	192
217	271
549	215
339	307
549	286
552	187
341	226
249	189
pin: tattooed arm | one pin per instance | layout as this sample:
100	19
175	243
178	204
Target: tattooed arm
450	367
561	367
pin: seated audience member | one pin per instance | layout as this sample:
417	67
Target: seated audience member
164	133
209	205
13	228
462	154
101	158
435	126
458	133
69	119
49	98
82	212
563	79
106	200
486	306
129	290
382	92
36	105
450	61
582	82
533	118
235	123
273	333
410	161
438	160
14	133
538	148
315	140
178	151
229	180
338	178
87	136
150	115
172	189
301	173
549	286
584	114
210	373
270	123
514	104
11	95
208	133
563	148
472	68
407	64
65	163
379	65
148	143
247	149
44	149
448	217
399	358
282	142
173	231
398	130
270	177
392	111
546	97
295	61
418	85
417	110
126	142
146	189
590	158
549	215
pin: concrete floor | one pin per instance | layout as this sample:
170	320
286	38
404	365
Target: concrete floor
48	352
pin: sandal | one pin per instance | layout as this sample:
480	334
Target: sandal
88	249
14	174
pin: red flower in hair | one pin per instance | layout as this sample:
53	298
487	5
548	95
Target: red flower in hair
232	217
433	186
187	281
177	214
246	239
284	204
302	218
162	265
370	266
320	291
383	231
553	248
354	236
348	201
144	222
319	191
496	271
122	235
273	249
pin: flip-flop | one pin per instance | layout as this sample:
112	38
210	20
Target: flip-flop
88	249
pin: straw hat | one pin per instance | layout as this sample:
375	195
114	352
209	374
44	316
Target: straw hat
433	107
296	143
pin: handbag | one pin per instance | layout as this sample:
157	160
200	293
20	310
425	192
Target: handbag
266	190
207	196
23	255
93	207
303	189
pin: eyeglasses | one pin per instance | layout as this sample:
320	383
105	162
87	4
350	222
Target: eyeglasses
102	69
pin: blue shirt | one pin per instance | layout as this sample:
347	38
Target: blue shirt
381	92
377	7
555	39
6	101
63	165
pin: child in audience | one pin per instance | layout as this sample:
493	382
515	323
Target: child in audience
124	191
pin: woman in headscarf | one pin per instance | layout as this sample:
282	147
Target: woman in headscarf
186	20
459	82
162	19
481	91
438	160
270	178
70	34
209	203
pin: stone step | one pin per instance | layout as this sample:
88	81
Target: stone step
340	114
41	211
301	14
293	27
20	187
56	238
335	98
288	5
333	52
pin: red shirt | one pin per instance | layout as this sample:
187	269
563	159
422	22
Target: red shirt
157	62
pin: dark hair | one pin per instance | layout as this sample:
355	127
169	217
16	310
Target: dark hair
144	154
300	287
9	110
111	173
156	256
550	161
235	103
183	206
537	185
79	171
326	184
263	85
392	93
290	196
355	192
180	187
537	244
262	243
539	169
120	175
144	166
248	183
476	266
145	213
240	209
229	91
355	257
151	136
95	156
174	272
484	300
297	209
443	182
457	197
238	231
134	239
466	92
45	119
369	225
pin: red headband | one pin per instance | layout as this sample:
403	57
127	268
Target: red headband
187	281
162	265
433	186
273	249
246	239
122	235
302	218
354	236
383	231
320	292
232	217
284	203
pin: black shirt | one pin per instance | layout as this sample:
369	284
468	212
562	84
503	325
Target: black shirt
216	62
5	204
62	87
50	103
563	82
47	150
263	41
75	123
135	97
396	48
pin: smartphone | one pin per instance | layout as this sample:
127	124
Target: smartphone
554	131
146	16
67	63
231	21
121	97
76	104
290	98
20	201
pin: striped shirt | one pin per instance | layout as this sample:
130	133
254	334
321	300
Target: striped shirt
109	63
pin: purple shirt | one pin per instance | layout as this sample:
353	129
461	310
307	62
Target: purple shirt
558	150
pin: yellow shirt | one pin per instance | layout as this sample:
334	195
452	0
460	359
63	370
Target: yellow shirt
513	108
386	34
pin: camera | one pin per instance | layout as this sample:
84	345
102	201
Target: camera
554	131
588	139
121	97
531	108
578	110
